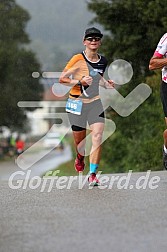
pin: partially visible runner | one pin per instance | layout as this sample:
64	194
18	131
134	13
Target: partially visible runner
159	61
20	145
84	72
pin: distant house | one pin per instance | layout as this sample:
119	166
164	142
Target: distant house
43	118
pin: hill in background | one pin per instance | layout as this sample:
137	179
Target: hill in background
56	29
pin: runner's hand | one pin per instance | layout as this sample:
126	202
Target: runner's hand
109	84
86	80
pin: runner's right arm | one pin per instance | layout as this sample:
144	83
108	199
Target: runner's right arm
157	63
159	59
71	68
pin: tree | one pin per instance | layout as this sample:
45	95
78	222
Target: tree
16	65
137	143
134	29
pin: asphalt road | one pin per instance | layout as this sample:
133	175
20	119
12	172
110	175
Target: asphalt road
87	219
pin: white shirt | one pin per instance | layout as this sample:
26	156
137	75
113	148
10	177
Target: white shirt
161	52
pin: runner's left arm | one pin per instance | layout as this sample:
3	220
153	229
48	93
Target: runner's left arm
106	83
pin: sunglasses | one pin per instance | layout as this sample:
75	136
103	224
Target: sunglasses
93	38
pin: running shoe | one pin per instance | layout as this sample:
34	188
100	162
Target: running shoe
92	179
164	159
79	164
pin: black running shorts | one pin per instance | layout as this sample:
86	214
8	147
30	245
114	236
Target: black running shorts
164	97
91	113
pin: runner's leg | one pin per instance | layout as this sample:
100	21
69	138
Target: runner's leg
95	154
79	140
165	134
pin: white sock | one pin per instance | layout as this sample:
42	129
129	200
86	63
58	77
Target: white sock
165	149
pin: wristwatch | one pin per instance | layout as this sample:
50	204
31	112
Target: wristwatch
79	83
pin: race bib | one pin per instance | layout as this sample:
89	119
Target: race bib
74	106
